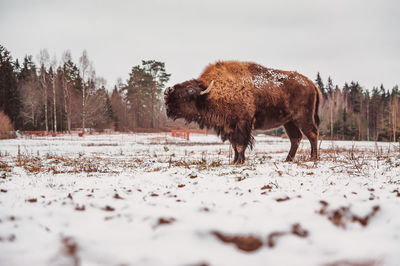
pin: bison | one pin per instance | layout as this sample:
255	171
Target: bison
233	98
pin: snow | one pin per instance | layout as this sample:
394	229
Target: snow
99	200
273	77
301	80
269	76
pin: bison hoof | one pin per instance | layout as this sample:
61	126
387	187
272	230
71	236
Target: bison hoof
239	161
289	159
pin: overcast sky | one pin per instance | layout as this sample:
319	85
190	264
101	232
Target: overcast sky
348	40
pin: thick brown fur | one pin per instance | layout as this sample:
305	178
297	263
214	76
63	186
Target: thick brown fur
247	96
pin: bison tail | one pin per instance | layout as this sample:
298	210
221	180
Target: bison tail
316	117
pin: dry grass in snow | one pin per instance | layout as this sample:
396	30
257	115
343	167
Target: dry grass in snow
149	199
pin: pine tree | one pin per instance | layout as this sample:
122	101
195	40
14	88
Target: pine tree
320	84
72	88
329	89
29	86
138	93
109	111
118	107
160	77
28	68
10	98
329	86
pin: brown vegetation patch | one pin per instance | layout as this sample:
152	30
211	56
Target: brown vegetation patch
56	158
342	215
117	196
70	249
108	208
5	167
192	175
296	230
215	163
246	243
283	199
80	208
266	187
397	192
10	238
30	164
199	264
180	163
33	200
299	231
165	221
271	240
33	168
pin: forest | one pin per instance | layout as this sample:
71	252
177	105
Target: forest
58	94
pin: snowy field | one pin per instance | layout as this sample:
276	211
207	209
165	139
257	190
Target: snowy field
150	199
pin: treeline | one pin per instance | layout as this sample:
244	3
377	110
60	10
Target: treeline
62	95
354	113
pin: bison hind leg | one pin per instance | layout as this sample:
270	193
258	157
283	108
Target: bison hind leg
311	132
295	136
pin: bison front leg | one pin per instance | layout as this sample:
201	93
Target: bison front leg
240	151
240	139
236	154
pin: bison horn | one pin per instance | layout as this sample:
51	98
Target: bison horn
168	90
208	89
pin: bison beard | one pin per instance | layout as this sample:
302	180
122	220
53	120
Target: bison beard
233	98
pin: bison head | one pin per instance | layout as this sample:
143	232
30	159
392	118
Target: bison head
186	99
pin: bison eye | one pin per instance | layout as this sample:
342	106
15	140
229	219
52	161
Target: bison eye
191	91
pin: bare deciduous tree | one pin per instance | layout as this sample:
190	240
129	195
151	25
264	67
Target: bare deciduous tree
32	101
44	58
54	78
88	76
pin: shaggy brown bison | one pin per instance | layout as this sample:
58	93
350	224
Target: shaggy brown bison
233	98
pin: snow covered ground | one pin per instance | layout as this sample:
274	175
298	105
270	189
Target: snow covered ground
150	199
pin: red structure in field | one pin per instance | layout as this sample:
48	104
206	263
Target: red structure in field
184	133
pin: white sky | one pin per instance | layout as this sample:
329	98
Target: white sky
346	39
